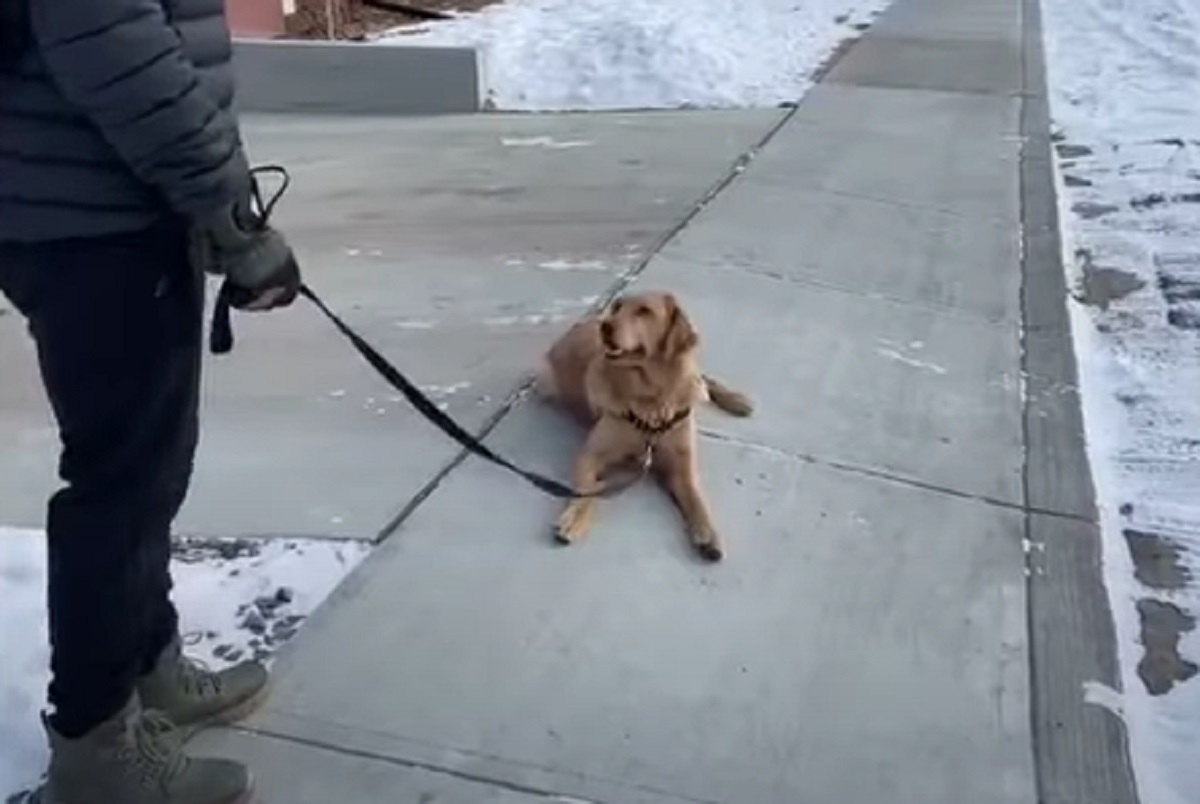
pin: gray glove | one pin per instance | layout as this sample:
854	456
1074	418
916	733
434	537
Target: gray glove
238	243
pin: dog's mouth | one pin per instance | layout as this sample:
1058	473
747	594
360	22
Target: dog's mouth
614	352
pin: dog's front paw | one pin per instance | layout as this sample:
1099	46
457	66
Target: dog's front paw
573	522
708	544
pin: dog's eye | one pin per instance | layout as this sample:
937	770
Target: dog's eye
616	307
642	312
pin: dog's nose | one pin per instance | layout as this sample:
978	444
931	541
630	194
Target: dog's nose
606	331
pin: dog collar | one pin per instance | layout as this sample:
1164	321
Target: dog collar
650	428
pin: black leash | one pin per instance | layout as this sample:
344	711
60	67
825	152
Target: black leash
221	342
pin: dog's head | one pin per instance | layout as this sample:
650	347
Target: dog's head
646	326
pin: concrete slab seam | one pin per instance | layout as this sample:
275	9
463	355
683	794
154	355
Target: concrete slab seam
886	476
467	776
901	204
935	308
523	386
406	763
621	283
1080	781
1036	738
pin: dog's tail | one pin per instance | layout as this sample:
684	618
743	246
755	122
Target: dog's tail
727	399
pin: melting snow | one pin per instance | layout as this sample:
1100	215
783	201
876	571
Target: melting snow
236	599
1124	82
601	54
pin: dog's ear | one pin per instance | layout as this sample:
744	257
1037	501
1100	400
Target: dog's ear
680	337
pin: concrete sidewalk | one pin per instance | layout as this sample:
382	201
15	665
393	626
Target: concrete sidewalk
910	608
460	245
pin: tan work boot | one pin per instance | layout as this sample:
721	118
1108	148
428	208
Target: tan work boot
192	696
137	758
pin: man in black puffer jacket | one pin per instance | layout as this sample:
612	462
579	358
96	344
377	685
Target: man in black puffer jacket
122	180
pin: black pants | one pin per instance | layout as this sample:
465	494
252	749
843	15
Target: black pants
118	326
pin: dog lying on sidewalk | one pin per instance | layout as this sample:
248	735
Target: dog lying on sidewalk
631	375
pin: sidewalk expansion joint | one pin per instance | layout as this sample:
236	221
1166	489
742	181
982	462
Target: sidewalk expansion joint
463	775
809	281
736	169
887	476
1036	739
912	206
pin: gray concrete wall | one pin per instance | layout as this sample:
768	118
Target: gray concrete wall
342	78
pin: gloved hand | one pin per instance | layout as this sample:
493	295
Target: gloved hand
238	243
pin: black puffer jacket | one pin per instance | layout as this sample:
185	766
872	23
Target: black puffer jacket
118	114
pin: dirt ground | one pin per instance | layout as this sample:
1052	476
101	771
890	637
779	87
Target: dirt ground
355	20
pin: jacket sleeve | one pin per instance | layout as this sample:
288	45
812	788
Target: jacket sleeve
120	62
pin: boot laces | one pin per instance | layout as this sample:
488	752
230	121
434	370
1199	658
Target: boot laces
154	750
195	677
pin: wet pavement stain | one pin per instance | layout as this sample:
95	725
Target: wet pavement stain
1132	399
1148	201
1068	151
1101	286
1184	319
1178	279
1176	289
1161	668
1157	561
1144	202
1089	210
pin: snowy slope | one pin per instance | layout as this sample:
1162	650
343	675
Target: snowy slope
643	54
1125	96
230	605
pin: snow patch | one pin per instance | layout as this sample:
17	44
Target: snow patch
543	142
559	310
1124	78
925	365
530	320
897	352
414	323
643	54
573	265
441	391
1104	696
236	598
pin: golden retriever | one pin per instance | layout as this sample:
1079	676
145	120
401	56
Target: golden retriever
631	375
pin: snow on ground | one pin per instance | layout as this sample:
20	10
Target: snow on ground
647	54
1125	84
236	599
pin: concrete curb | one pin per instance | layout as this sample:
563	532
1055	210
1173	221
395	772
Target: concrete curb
1081	750
340	78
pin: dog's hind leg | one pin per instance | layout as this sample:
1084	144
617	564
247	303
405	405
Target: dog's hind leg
732	402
